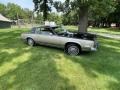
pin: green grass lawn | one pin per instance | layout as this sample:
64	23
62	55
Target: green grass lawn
97	30
44	68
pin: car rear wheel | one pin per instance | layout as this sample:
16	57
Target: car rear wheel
30	42
73	49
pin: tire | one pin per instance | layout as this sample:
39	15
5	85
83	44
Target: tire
73	49
30	42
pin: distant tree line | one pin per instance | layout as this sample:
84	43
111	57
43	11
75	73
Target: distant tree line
107	19
100	14
50	17
14	11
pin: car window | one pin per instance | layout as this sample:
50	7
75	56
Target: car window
33	30
58	30
46	31
37	31
42	29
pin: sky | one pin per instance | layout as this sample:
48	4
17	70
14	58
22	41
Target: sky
23	3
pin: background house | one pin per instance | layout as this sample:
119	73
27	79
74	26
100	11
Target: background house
4	22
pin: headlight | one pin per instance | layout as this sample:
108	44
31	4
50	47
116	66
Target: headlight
89	44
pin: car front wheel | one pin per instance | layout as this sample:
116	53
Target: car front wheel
73	49
30	42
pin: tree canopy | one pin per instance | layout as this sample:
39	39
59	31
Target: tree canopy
43	6
2	9
84	8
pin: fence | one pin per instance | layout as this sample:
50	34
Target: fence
26	23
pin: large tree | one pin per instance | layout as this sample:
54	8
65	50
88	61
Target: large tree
82	7
43	6
85	7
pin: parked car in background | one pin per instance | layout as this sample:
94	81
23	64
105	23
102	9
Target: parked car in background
57	36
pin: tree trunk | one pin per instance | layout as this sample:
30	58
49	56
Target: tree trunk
117	24
45	14
83	19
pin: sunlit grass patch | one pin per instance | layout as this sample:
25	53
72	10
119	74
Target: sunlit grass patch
13	64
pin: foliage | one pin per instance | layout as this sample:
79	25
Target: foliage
114	17
43	6
70	18
39	18
79	10
55	17
14	11
2	9
59	6
27	13
51	17
100	7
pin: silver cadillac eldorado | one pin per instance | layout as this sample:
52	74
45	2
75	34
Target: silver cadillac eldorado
58	36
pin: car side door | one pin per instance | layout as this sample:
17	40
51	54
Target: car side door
47	37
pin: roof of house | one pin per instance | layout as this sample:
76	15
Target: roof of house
2	18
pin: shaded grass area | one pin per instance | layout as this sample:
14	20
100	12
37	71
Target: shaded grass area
45	68
97	30
105	30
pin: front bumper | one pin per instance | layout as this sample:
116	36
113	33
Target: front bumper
94	48
89	49
96	45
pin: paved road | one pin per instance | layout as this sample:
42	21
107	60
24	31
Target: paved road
113	36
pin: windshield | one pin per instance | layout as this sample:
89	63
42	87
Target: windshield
60	30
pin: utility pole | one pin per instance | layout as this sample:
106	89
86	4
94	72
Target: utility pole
18	21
